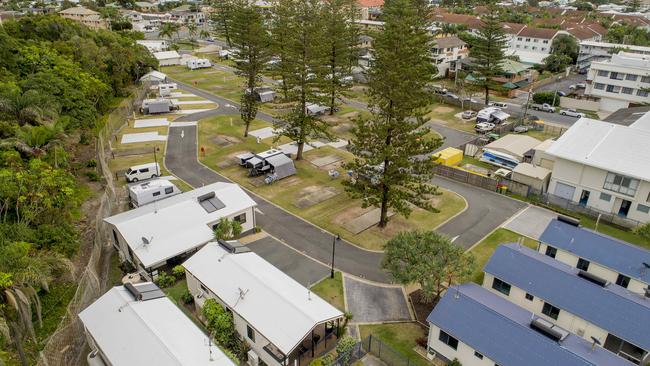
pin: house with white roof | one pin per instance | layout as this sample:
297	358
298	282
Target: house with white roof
283	322
138	325
600	255
167	58
166	232
604	166
154	77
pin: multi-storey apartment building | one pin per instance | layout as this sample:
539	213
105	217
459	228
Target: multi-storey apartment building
621	82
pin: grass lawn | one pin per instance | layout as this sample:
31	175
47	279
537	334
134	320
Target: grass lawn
223	83
476	162
483	250
358	93
445	114
330	214
401	337
331	290
541	135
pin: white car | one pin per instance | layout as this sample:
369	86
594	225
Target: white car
468	114
484	127
571	113
502	172
498	105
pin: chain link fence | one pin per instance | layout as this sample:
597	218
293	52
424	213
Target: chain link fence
67	345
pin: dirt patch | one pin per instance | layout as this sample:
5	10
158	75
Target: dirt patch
313	195
442	109
224	140
342	127
422	310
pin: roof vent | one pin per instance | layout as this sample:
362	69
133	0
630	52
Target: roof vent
592	278
548	329
568	220
144	291
233	246
209	202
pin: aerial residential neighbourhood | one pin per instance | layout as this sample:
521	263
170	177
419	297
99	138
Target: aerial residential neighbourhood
325	183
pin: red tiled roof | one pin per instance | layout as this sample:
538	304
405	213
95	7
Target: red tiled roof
471	21
543	33
370	3
512	28
582	32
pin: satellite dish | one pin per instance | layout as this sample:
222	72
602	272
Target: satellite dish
145	241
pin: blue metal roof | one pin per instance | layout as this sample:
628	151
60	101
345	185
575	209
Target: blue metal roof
598	248
613	308
501	331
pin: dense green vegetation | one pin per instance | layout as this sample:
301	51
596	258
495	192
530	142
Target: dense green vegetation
56	79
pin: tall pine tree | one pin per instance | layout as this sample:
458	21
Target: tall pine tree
252	44
304	60
342	37
223	17
488	50
280	28
392	165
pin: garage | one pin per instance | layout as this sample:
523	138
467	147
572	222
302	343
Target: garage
564	191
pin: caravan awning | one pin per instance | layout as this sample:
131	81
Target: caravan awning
500	115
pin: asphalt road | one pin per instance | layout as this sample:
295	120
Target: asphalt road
486	211
181	160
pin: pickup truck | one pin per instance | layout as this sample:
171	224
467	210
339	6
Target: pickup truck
543	107
571	113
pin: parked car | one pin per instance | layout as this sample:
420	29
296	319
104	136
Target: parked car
571	113
581	86
561	93
142	172
468	114
452	96
498	105
545	107
502	172
484	127
572	87
521	129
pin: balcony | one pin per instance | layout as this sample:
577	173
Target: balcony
320	341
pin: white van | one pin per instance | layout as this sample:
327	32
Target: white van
142	172
154	190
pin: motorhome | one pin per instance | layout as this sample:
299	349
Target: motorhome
166	89
492	115
198	63
154	190
142	172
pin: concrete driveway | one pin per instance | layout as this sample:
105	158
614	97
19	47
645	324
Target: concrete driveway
297	266
530	222
371	303
452	137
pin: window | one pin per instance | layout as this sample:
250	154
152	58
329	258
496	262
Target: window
144	170
645	79
643	208
526	47
543	48
536	40
250	333
631	77
550	311
546	41
448	340
603	73
502	287
478	355
599	86
117	241
169	190
605	197
621	184
241	218
616	76
583	264
527	39
529	297
623	280
550	251
156	194
613	88
534	47
627	90
642	93
519	38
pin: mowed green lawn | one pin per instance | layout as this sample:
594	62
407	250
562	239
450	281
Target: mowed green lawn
330	214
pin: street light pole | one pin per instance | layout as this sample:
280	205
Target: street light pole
334	240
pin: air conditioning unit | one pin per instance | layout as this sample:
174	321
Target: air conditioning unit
253	358
431	354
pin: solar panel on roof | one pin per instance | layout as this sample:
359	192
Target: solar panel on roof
212	204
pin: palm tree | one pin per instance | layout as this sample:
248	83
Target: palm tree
204	34
30	107
34	141
23	271
192	30
166	30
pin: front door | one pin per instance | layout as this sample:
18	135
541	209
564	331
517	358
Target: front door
625	208
584	198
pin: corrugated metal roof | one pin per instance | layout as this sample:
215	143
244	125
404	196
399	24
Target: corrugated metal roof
612	307
599	248
500	330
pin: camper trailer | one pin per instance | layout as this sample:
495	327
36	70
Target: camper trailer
198	63
142	172
154	190
491	115
271	161
166	89
155	106
263	94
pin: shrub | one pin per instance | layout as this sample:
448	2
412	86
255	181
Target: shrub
220	324
546	97
165	280
343	348
422	342
455	362
93	176
178	271
643	230
187	297
91	163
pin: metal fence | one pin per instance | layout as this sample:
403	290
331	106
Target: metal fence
378	348
67	345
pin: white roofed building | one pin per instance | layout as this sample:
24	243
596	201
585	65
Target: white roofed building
138	325
168	231
604	166
282	321
167	58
